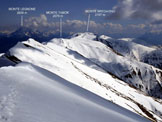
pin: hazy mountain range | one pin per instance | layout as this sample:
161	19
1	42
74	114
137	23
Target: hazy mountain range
7	40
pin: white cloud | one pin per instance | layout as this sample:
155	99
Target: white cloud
143	9
74	26
36	21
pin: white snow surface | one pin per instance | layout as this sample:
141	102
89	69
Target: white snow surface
1	54
31	94
128	48
61	57
136	73
131	50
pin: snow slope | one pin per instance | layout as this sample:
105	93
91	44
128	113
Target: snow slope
75	68
1	54
140	75
126	47
37	95
154	58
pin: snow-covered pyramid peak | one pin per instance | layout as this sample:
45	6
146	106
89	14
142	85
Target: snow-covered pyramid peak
104	37
24	31
86	35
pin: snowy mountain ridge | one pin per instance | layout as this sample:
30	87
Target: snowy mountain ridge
86	61
138	74
128	48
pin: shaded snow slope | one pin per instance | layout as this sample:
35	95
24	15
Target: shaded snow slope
31	94
153	58
7	60
76	68
126	47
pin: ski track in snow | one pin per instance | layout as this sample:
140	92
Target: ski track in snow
46	97
7	104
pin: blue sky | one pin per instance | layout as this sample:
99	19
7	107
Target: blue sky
76	8
131	17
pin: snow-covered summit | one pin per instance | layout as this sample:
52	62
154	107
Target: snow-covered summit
86	35
105	37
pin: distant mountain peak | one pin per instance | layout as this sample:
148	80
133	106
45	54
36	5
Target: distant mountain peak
85	35
24	31
105	37
152	38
